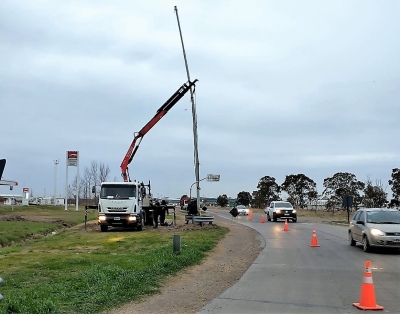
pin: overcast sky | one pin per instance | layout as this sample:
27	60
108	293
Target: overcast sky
285	87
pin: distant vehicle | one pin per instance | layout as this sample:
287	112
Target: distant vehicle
185	205
242	210
280	210
375	227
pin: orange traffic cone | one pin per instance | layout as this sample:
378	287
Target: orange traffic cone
314	240
262	219
286	227
250	215
367	296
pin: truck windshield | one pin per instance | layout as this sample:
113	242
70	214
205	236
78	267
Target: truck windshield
118	191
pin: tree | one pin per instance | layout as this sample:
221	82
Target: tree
395	184
244	198
258	200
104	171
222	200
341	184
374	196
268	191
93	176
299	187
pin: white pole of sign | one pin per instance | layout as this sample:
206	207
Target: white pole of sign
66	182
77	180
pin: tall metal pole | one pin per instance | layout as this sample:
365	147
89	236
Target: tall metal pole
55	181
194	115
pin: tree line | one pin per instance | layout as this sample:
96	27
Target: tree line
302	192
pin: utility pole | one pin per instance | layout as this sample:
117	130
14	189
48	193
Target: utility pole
56	162
194	116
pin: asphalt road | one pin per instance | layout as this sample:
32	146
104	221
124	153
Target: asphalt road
289	276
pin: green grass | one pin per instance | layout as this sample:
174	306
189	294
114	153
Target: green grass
86	271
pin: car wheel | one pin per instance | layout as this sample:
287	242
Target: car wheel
268	217
366	246
274	218
351	240
294	219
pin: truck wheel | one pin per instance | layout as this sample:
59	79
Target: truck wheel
139	228
103	228
274	218
268	217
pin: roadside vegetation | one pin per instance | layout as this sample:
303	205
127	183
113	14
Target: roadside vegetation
51	263
340	191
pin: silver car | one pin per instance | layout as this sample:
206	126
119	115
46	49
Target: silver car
242	210
375	227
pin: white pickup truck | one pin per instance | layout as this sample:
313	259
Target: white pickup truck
280	210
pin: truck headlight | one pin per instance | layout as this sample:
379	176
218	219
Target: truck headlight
377	232
294	211
132	218
102	218
278	211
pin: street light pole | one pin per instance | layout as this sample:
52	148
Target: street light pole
194	116
56	162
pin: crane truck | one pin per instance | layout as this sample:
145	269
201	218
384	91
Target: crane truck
129	203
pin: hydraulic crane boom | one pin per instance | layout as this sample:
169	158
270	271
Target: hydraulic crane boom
159	114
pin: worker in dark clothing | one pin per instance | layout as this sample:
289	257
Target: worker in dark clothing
192	209
162	212
156	213
234	212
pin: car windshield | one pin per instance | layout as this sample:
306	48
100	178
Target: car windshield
383	217
284	205
241	207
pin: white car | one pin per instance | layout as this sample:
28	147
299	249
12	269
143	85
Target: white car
280	210
242	210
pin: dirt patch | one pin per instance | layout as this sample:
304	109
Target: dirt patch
196	286
13	218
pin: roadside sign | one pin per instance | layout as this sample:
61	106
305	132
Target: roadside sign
213	177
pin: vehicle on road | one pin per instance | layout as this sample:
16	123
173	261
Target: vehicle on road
280	210
242	210
375	227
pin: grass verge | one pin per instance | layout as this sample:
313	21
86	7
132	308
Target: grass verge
85	271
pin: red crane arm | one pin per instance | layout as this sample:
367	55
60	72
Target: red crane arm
159	114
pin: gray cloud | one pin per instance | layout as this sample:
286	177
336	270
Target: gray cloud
284	88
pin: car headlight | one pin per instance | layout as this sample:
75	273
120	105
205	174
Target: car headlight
294	211
278	211
377	232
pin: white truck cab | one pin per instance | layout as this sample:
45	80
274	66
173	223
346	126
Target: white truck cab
120	204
